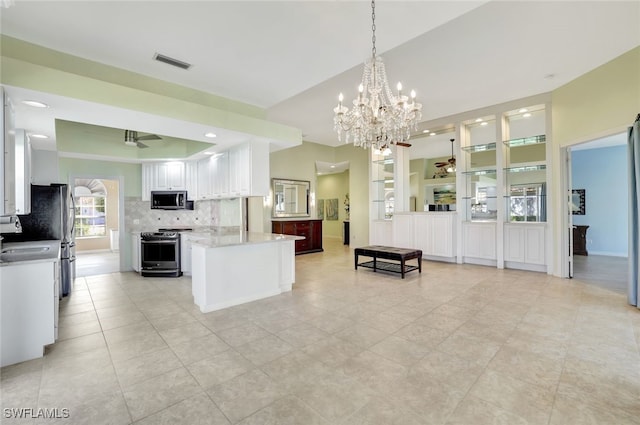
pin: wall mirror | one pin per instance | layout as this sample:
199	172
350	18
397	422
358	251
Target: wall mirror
290	198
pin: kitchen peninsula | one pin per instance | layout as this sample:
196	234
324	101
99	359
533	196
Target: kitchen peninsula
232	269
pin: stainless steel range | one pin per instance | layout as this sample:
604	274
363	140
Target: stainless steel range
160	254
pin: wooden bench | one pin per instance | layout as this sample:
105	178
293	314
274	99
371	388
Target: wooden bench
389	253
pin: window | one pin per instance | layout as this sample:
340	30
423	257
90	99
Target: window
90	216
528	202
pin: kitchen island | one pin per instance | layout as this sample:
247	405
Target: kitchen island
232	269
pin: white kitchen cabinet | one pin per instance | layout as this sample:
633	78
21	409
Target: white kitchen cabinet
186	249
8	164
147	181
479	242
219	175
249	170
23	172
524	246
135	251
204	179
164	176
27	309
170	176
191	182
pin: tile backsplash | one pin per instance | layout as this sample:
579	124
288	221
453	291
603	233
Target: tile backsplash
218	213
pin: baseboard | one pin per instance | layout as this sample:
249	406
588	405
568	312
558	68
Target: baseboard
94	251
608	254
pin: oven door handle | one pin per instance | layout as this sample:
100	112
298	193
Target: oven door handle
166	242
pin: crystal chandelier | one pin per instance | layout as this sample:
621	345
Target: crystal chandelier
378	117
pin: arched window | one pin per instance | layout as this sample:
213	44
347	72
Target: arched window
91	212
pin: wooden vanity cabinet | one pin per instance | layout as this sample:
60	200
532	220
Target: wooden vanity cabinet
311	230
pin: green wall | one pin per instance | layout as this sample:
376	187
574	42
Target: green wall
37	68
132	173
602	102
300	163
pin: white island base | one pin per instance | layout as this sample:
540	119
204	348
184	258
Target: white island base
236	269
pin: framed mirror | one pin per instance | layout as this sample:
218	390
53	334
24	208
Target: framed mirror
290	198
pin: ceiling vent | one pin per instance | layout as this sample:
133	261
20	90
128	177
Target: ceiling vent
171	61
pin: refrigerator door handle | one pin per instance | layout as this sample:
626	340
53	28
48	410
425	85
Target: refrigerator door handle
73	215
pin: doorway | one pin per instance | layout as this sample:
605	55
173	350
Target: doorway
97	225
599	216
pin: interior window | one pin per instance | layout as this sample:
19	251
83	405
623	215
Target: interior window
91	216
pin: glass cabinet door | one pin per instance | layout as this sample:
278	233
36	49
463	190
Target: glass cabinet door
382	187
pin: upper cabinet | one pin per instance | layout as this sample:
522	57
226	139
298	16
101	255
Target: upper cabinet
239	172
163	176
249	170
23	172
170	176
8	164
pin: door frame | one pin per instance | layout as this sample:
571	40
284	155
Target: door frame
566	213
122	240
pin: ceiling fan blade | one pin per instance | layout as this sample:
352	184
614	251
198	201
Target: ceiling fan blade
141	145
406	145
149	137
441	164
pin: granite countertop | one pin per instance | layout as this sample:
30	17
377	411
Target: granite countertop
241	238
29	252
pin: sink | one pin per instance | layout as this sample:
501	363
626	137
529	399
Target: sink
25	250
15	253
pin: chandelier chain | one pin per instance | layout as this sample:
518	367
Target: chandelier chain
379	117
373	28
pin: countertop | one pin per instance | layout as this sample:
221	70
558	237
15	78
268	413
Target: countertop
242	238
29	252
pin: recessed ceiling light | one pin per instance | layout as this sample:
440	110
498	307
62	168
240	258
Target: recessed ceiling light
35	104
432	134
425	131
38	136
210	135
478	119
333	166
484	123
523	110
527	115
209	153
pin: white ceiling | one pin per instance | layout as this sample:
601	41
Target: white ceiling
293	57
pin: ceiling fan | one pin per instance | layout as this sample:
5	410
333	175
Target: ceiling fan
131	138
451	162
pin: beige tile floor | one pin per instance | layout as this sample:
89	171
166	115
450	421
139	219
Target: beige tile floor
458	344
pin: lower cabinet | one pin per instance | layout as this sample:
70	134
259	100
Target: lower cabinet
479	242
524	245
381	233
135	251
186	249
28	315
431	232
311	230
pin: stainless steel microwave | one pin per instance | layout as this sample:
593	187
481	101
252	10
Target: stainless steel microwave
168	199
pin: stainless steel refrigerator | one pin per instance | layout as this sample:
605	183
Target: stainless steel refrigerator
52	217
